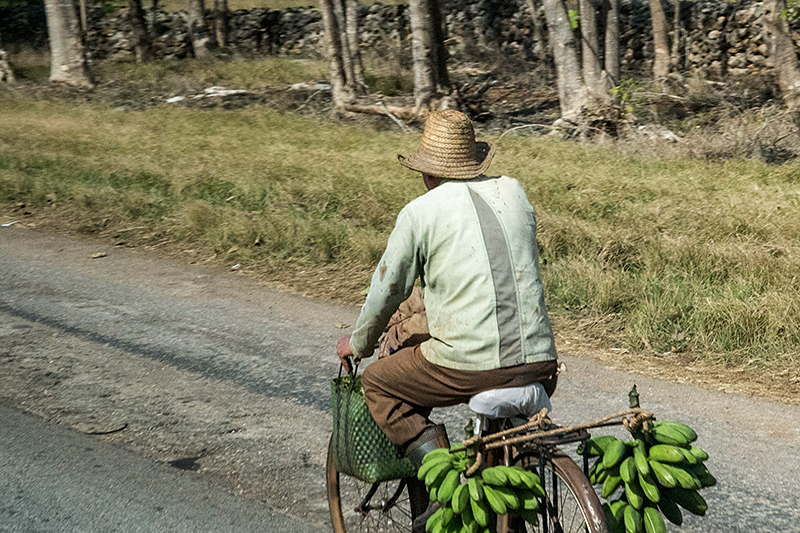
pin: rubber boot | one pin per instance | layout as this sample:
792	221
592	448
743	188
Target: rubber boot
432	438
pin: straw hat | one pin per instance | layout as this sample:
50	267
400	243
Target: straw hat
448	148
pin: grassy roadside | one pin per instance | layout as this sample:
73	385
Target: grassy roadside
677	259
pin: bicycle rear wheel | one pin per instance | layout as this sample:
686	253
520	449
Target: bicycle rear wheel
572	504
356	506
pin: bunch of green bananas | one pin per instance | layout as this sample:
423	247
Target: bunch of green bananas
472	506
659	470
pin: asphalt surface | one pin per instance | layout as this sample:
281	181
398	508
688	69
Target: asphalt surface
220	326
59	480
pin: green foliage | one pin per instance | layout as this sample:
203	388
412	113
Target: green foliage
574	19
625	92
792	11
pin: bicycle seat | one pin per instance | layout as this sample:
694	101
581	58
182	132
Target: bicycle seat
513	402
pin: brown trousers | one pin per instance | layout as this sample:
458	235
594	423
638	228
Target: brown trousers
401	389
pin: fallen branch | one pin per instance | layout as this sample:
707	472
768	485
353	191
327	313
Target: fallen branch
403	113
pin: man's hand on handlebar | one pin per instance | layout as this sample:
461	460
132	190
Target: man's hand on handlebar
344	352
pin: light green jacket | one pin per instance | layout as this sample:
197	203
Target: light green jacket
473	244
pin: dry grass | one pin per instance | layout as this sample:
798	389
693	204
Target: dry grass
660	254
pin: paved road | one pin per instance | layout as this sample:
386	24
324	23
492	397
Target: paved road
219	328
53	479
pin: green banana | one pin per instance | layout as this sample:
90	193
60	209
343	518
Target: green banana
528	500
447	515
470	525
635	494
649	488
699	454
618	509
670	510
531	476
610	485
426	467
640	458
434	523
496	502
633	520
614	454
653	523
513	476
475	489
480	511
691	500
627	470
666	453
702	474
531	517
436	474
688	432
495	476
689	457
448	486
435	455
509	496
611	520
669	435
685	479
454	526
663	475
460	498
595	446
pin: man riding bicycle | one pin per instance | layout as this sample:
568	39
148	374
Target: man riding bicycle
471	239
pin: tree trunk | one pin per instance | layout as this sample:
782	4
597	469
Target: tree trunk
676	34
221	22
67	55
590	53
153	29
660	40
571	92
6	74
439	50
142	43
612	61
353	52
340	92
781	50
198	29
422	53
538	32
84	21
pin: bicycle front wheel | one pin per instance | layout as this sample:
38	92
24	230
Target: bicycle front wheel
572	505
357	507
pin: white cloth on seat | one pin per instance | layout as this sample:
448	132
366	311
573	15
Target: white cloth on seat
511	402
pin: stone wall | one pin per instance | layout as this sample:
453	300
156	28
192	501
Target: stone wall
718	37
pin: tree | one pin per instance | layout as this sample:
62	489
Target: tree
221	22
660	40
571	90
429	55
67	55
6	74
782	51
612	62
143	44
198	29
538	31
590	54
340	18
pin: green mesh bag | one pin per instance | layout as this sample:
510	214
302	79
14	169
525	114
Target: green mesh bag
360	448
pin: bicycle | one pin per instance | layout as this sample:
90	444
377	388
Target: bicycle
570	505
